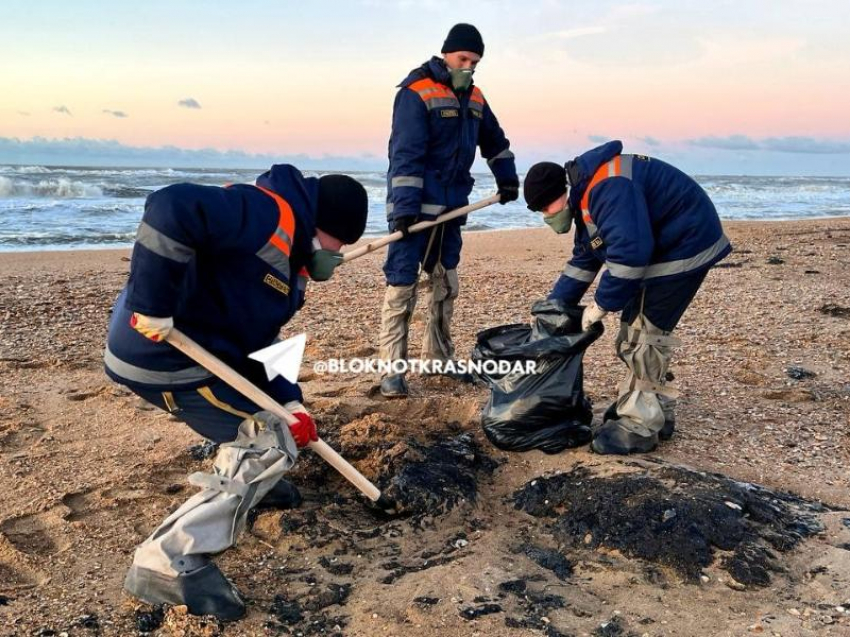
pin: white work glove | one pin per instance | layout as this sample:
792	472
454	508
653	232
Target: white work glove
152	327
592	314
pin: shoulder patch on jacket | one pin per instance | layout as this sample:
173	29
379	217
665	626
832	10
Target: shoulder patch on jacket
276	283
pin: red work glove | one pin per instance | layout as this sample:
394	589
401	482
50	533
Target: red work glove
304	431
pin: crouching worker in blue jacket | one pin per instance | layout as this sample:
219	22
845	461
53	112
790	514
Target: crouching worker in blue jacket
228	267
657	233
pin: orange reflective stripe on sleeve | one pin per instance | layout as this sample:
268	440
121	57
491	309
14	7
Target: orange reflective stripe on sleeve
283	236
612	168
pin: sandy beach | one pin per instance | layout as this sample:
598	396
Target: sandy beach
87	471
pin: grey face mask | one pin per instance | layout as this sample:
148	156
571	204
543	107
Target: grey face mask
323	262
461	78
561	221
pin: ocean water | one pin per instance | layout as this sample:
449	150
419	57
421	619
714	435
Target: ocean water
48	208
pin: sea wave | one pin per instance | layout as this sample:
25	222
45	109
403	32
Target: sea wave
47	239
62	188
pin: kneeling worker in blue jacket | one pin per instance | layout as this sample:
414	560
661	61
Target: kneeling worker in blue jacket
228	267
654	233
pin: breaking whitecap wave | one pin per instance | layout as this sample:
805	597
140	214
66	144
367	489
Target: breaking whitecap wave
61	188
54	207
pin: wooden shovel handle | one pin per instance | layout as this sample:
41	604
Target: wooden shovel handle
233	378
417	227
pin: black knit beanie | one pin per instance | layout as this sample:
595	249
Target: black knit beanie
463	37
342	208
544	183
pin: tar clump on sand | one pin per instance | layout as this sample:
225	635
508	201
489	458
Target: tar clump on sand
433	480
293	618
674	517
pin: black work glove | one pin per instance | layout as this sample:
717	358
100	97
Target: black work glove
402	224
508	191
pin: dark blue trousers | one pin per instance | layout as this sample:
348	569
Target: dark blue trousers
214	411
664	302
404	257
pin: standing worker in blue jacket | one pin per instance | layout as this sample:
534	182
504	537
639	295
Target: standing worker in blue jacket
439	118
657	233
228	267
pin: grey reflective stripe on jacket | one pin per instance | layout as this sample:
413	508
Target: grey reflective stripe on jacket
441	102
578	274
164	246
505	154
272	255
410	182
669	268
626	162
425	209
151	376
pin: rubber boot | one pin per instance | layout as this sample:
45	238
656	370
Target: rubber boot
283	495
399	303
199	585
615	437
440	292
640	417
668	406
669	417
394	386
172	566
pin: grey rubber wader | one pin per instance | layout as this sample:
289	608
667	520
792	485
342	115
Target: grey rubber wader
173	565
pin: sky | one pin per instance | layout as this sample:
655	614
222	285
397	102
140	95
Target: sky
723	87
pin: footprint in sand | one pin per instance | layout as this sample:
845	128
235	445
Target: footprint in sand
39	534
19	436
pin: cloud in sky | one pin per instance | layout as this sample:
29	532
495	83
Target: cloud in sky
692	158
805	145
119	114
110	152
189	102
571	34
732	142
650	141
598	139
24	113
62	109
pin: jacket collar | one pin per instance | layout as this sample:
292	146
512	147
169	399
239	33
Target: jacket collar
302	195
582	168
436	69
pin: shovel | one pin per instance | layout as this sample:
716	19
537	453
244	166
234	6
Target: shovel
233	378
417	227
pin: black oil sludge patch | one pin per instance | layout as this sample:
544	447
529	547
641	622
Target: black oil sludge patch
433	480
674	517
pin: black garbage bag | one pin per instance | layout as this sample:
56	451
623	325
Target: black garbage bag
546	410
